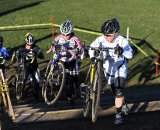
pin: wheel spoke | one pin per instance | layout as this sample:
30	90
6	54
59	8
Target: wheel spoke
54	84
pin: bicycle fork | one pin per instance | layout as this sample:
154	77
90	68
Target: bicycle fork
86	88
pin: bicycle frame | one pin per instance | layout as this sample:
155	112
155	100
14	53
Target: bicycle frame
51	82
92	73
94	84
21	74
56	61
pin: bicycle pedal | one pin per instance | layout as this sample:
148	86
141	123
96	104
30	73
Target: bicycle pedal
82	85
13	84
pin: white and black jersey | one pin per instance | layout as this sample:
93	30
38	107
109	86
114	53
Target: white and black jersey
114	65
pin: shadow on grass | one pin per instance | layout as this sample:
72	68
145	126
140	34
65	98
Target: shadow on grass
11	50
145	67
142	42
19	8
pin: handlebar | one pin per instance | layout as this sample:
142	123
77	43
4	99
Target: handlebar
101	49
22	57
60	49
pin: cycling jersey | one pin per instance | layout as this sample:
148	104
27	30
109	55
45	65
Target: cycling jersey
68	52
114	65
28	55
72	43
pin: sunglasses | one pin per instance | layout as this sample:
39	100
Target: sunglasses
66	35
28	44
109	35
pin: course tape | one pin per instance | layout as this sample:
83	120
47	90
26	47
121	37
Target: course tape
76	29
25	26
143	52
138	48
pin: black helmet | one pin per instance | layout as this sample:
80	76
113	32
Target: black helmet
29	39
110	26
1	40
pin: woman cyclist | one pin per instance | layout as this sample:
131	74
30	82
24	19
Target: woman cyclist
68	39
29	51
114	62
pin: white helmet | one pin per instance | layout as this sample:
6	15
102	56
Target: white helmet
66	27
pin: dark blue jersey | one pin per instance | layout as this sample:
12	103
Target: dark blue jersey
27	55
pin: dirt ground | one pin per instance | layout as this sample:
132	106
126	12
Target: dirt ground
135	121
138	121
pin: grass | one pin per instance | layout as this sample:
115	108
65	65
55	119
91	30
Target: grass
142	16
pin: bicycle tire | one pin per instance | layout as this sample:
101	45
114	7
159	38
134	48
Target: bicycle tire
51	84
87	106
45	78
96	91
19	87
43	86
87	101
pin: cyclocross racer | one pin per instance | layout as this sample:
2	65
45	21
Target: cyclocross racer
68	39
114	62
31	67
4	55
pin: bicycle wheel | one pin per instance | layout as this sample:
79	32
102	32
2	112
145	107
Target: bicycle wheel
87	103
54	83
87	100
96	91
43	87
19	86
45	77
